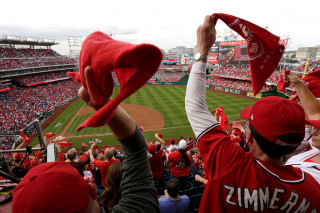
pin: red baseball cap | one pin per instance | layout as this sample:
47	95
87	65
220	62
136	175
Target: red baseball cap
52	187
172	140
315	123
152	148
273	116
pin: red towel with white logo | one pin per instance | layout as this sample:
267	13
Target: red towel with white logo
281	83
263	47
132	64
222	118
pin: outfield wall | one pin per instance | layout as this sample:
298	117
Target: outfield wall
244	93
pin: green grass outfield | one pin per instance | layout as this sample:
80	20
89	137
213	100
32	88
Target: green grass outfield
168	100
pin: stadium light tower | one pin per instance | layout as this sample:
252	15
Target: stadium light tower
75	43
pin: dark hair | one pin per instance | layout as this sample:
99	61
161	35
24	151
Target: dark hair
158	147
112	194
95	153
192	152
272	149
173	187
184	157
72	154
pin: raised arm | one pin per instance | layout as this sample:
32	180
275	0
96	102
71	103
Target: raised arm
307	99
160	140
138	192
198	114
121	124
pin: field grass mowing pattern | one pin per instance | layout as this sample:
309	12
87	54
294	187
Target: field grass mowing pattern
168	100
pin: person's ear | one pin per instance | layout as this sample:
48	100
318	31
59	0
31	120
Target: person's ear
249	138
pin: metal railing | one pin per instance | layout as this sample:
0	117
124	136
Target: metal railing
19	159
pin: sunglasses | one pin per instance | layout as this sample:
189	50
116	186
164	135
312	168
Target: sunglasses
313	129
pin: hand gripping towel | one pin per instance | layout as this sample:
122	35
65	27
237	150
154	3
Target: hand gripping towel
281	83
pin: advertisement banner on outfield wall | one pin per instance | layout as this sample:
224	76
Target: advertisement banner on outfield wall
213	58
250	94
208	86
229	90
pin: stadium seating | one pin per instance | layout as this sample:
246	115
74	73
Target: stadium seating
20	106
168	76
41	77
195	201
26	53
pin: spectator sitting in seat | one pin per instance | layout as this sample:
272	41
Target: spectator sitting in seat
174	203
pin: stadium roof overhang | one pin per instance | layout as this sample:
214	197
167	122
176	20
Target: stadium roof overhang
32	43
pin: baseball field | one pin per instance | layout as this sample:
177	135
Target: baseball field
155	108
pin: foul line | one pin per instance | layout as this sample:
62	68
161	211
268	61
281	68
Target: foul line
74	117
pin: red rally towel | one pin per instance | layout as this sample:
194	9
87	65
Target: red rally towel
263	47
159	134
222	118
312	81
25	138
65	144
133	65
281	83
49	135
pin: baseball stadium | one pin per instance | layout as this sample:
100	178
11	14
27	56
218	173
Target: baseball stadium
40	110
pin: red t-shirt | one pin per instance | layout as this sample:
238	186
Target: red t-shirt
237	182
103	167
156	163
180	169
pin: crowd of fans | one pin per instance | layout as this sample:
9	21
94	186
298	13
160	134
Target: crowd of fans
41	77
3	86
233	83
232	76
126	180
6	142
26	53
233	71
313	64
168	76
20	106
101	166
168	67
16	63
